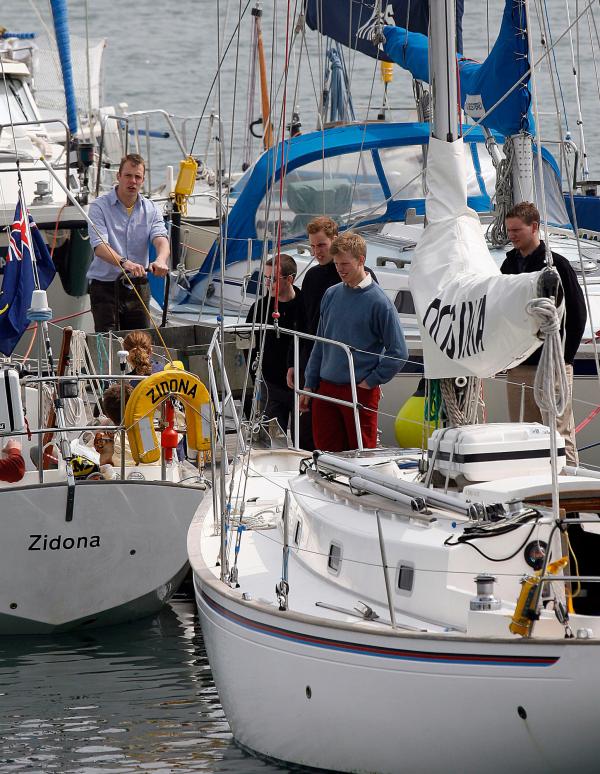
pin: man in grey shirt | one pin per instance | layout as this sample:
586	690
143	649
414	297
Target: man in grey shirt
125	222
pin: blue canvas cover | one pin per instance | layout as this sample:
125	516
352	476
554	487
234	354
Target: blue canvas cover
506	65
301	150
352	22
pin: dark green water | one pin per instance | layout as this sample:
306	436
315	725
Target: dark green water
134	698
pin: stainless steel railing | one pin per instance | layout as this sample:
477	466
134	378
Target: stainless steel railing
224	400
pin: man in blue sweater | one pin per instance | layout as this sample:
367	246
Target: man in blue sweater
358	313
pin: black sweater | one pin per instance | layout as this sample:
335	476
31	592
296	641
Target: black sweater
575	313
274	363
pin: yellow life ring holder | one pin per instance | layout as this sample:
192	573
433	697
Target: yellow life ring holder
147	396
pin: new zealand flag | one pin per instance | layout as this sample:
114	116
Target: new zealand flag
18	283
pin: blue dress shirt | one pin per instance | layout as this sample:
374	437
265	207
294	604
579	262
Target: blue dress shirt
129	235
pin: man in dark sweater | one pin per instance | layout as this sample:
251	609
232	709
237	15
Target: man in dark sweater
321	233
523	227
358	313
279	398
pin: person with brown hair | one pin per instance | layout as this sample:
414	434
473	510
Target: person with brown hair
529	254
355	312
124	223
139	348
321	233
279	281
106	442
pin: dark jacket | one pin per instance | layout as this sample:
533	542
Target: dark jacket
575	315
274	362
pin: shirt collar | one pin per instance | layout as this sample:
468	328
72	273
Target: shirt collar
114	199
364	283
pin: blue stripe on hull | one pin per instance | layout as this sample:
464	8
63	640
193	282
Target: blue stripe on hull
471	659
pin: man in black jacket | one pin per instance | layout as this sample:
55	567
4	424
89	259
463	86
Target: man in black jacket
523	227
279	397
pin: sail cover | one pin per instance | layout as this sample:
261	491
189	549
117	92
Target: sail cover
352	22
482	85
473	319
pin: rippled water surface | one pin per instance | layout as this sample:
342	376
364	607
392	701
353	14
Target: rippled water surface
124	699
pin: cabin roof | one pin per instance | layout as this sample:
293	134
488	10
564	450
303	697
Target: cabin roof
18	69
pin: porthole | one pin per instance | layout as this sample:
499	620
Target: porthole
405	578
334	560
535	553
298	532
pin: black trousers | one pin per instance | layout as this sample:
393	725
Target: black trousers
115	305
280	405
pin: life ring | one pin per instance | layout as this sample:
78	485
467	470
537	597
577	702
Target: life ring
147	396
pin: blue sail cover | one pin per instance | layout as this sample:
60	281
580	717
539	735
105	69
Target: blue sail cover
242	237
481	85
352	22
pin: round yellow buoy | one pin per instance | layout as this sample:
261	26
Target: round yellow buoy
408	426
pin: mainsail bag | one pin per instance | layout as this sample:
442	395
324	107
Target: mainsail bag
473	319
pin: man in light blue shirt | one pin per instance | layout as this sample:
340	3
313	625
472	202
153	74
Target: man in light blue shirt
125	223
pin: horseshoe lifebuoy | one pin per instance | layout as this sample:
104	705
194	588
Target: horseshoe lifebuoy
147	397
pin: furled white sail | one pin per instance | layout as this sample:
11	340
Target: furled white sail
473	319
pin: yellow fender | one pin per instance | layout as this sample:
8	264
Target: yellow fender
147	396
410	428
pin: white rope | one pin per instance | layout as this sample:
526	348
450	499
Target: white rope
551	386
496	232
461	403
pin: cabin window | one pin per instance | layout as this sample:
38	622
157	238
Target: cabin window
406	578
334	561
298	532
403	168
340	187
16	106
404	302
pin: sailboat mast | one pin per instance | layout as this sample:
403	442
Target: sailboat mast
264	83
442	66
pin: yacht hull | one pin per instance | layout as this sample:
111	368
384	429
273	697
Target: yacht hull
120	557
317	693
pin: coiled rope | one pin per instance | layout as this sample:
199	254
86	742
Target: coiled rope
551	386
496	232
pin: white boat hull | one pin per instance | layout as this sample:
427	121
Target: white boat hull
121	556
426	703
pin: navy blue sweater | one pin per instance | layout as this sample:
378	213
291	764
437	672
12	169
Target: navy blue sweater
365	319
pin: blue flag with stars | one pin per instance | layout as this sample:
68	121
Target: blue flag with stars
18	282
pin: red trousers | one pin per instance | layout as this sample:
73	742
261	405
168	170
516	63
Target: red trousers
333	425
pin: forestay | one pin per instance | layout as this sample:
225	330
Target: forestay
473	319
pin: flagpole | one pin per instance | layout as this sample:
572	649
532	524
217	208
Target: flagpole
39	312
25	216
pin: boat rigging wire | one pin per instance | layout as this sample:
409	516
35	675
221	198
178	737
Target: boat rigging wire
592	22
214	80
562	145
577	90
